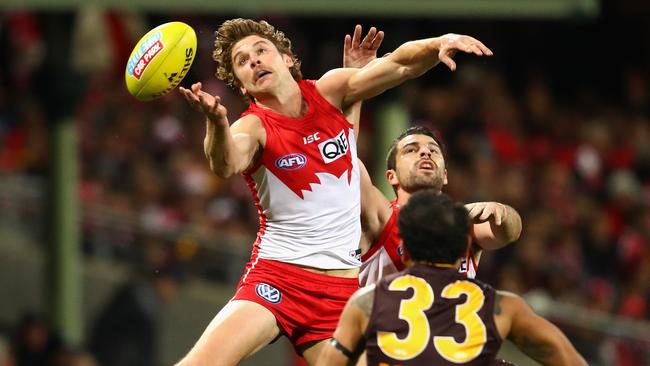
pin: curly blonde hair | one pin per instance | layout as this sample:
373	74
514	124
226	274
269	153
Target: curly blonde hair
231	31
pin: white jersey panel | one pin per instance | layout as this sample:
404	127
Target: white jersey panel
322	229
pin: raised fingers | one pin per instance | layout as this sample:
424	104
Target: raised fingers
376	42
196	87
356	36
367	40
190	97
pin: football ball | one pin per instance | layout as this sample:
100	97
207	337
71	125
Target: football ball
160	60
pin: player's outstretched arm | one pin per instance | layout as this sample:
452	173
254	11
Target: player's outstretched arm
229	149
532	334
495	224
409	61
344	87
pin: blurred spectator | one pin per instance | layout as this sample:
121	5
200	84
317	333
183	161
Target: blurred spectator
126	332
74	357
34	343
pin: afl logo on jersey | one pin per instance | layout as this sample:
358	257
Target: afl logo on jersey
291	162
268	293
334	148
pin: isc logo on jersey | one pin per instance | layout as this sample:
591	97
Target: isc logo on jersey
291	162
334	148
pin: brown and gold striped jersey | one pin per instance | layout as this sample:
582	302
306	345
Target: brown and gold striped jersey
427	315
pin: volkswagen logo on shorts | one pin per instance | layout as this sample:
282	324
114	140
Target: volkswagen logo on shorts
291	161
268	293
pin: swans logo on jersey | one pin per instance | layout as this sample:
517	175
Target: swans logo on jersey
356	254
334	148
291	162
268	293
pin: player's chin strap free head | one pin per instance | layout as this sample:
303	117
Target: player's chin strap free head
346	352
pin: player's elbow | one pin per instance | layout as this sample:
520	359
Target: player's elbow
572	357
222	170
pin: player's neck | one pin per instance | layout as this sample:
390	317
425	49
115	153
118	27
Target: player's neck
286	101
402	197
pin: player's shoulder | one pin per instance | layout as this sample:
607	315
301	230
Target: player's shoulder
510	303
249	124
364	298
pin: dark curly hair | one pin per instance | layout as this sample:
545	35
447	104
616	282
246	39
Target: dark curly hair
231	31
433	227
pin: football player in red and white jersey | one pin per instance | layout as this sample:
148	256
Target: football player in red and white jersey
495	225
416	161
298	154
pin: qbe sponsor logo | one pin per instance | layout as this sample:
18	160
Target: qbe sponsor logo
268	293
334	148
143	56
291	162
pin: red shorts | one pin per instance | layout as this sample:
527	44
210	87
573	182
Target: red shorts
306	305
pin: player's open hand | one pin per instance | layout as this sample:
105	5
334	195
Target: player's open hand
483	211
204	102
358	53
452	43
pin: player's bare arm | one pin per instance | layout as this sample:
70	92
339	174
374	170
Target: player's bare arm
343	87
229	149
348	343
532	334
375	210
495	224
358	53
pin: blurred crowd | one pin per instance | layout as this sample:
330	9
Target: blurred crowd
574	163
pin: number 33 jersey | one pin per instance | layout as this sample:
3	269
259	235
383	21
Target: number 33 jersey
432	316
306	186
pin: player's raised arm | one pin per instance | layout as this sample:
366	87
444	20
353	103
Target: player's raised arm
357	53
408	61
229	149
532	334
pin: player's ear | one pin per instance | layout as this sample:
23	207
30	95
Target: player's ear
288	60
444	178
391	176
